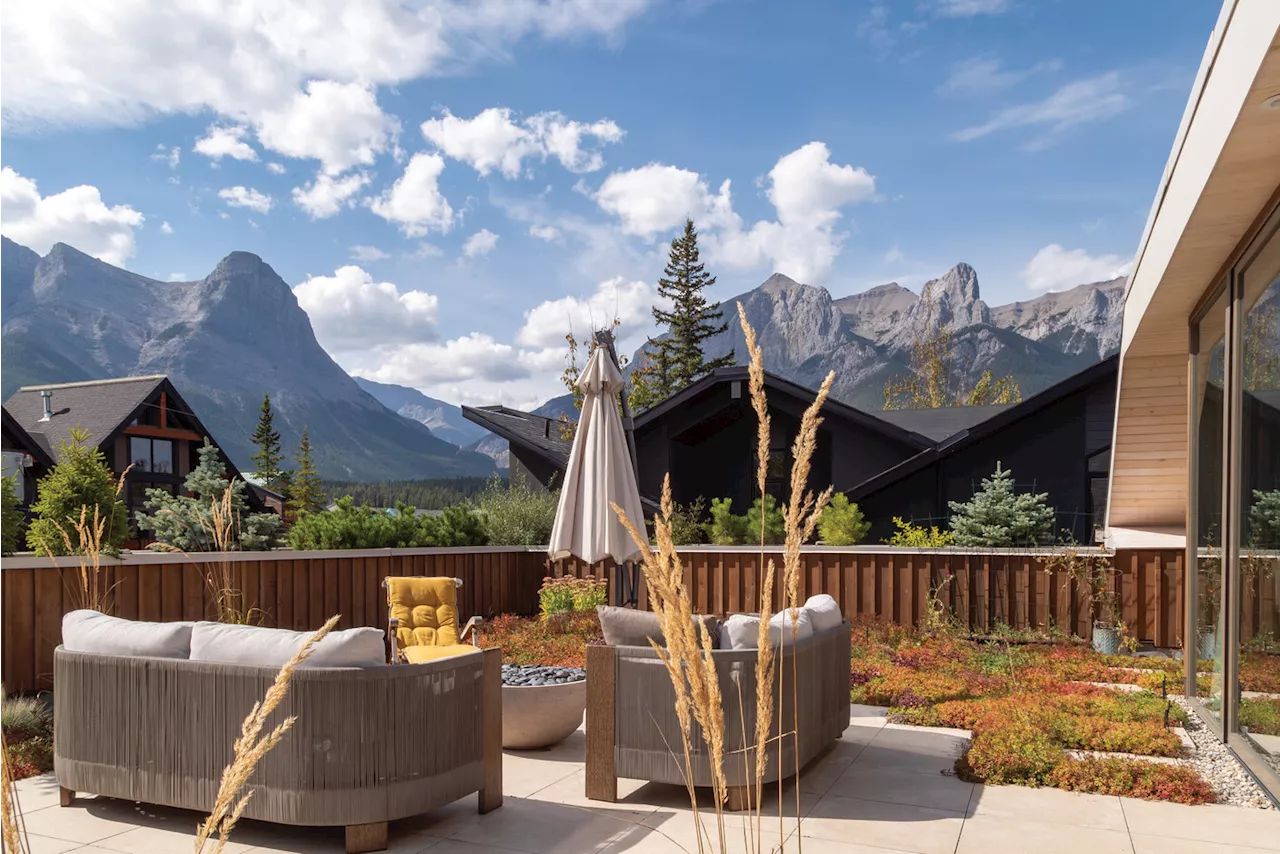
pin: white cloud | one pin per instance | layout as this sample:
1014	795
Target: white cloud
426	250
339	124
895	255
981	76
165	228
268	64
970	8
1055	268
361	252
246	197
327	195
546	324
275	168
656	198
178	277
544	232
170	156
495	140
482	242
414	202
806	189
221	141
76	216
1091	100
350	312
476	356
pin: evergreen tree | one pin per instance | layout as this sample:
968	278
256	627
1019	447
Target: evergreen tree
11	522
81	479
306	493
999	516
207	519
690	322
268	458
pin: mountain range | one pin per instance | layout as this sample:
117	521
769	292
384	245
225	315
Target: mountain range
224	340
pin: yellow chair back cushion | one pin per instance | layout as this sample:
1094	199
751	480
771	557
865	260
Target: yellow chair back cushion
427	609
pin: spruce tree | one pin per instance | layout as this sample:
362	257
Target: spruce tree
268	458
80	480
186	522
690	322
11	524
998	516
306	493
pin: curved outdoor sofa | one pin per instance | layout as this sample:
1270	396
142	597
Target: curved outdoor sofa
369	744
632	729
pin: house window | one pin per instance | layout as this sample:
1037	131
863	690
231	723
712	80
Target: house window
154	456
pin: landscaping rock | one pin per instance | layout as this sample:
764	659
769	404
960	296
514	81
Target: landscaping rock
533	675
1219	767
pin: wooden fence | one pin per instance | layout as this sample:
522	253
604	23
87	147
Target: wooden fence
300	590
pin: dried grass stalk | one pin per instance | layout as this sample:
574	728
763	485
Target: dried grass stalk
15	832
249	748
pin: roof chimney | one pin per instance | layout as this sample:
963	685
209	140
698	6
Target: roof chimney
46	397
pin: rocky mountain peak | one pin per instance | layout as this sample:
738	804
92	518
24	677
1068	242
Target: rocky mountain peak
778	283
960	284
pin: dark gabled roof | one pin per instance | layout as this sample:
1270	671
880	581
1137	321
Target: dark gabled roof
775	383
1002	419
944	422
32	445
538	433
100	406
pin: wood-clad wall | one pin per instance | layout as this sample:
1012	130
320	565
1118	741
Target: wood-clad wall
300	590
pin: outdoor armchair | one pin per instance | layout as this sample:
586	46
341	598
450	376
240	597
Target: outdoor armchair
423	619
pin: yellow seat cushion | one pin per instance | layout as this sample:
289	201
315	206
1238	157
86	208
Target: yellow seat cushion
427	609
421	654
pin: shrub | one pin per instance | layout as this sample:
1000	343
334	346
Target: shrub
11	522
529	640
686	523
913	536
999	516
456	525
518	514
1015	753
724	528
1260	715
842	522
187	522
350	527
1133	779
775	529
568	593
1264	519
28	734
79	481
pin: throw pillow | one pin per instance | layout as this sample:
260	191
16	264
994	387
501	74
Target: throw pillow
740	631
633	627
780	623
256	645
93	631
824	612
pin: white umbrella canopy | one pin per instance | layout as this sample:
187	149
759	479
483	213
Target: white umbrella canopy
599	473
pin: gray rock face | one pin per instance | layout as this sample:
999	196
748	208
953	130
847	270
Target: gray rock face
872	314
1085	320
224	340
443	419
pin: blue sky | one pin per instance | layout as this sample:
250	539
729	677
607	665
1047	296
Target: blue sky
450	186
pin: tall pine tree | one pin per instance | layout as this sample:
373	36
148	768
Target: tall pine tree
306	493
268	458
678	357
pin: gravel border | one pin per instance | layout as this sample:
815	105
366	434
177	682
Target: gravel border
1215	762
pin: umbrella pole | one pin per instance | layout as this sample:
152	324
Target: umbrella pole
628	583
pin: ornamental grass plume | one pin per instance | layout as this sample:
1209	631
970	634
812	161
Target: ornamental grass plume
249	749
15	832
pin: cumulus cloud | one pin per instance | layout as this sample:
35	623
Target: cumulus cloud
546	324
1091	100
327	195
1055	268
165	228
275	168
496	140
302	74
415	202
221	141
177	277
246	197
351	312
362	252
482	242
544	232
76	216
476	356
656	198
168	156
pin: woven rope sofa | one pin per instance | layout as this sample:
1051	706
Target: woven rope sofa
632	729
370	744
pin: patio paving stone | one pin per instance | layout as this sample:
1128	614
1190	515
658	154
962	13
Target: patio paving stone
998	834
1048	807
896	787
1211	823
895	826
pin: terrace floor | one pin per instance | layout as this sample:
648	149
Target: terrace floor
881	789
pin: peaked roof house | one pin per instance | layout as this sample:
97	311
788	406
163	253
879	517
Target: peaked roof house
141	422
26	460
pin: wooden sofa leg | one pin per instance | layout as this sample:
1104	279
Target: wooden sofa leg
366	837
66	797
737	798
490	797
602	778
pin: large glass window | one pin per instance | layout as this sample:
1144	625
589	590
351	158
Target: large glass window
152	456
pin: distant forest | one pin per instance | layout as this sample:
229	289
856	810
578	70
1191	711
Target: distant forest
434	494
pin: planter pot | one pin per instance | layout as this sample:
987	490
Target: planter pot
1207	645
536	716
1106	639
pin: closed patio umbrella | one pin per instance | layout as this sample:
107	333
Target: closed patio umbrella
599	473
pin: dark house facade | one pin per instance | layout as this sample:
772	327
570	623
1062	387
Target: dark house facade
26	459
141	422
906	463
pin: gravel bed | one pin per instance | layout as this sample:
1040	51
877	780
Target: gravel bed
1218	766
535	675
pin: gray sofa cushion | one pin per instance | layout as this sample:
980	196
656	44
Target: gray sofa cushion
257	645
633	627
93	631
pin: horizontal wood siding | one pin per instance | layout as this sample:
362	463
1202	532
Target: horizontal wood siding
298	590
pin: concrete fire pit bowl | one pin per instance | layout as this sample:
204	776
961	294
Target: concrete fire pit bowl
541	706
